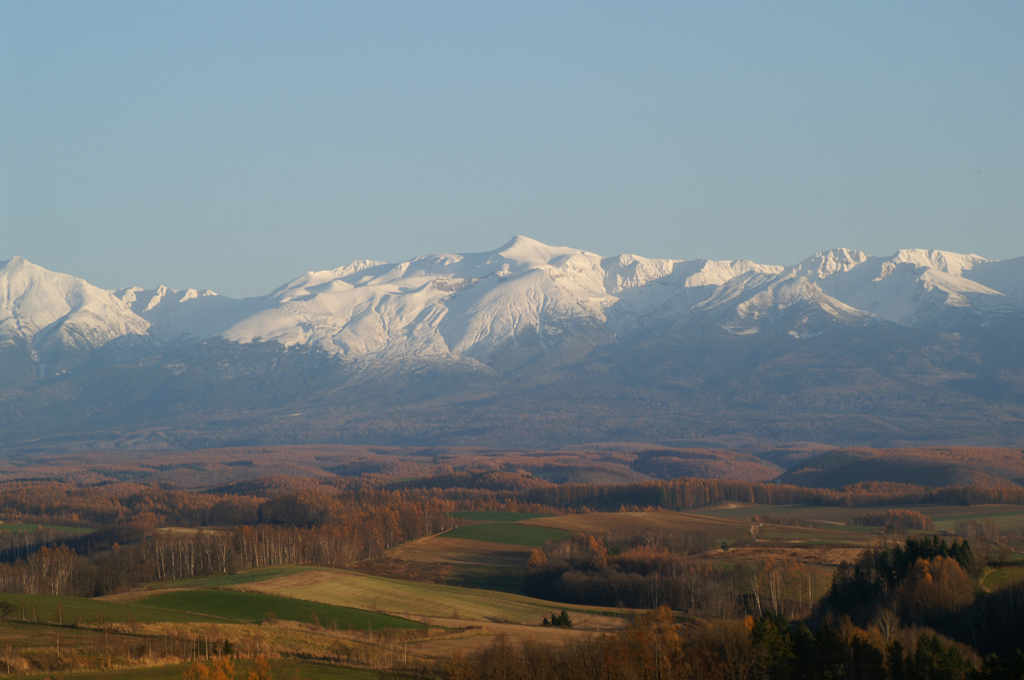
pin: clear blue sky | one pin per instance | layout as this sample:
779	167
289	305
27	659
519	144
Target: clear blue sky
234	146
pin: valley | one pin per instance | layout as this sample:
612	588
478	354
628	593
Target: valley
409	570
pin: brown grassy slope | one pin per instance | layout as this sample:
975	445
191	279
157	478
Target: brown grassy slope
930	467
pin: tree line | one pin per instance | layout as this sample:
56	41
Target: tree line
104	567
925	581
650	571
319	501
769	647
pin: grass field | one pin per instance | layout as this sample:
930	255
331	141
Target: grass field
719	528
472	564
255	607
637	522
157	673
496	516
507	533
225	580
945	516
12	528
1000	578
487	578
1005	516
409	598
280	668
73	610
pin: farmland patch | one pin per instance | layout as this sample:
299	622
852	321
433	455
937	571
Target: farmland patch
62	609
1000	578
255	607
497	516
225	580
407	598
508	533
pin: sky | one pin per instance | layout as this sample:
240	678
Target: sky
236	145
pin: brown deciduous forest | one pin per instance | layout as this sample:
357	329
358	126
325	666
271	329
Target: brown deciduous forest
911	605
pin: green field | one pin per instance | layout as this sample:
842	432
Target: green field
1005	516
497	516
57	608
12	528
508	533
487	577
1000	578
255	607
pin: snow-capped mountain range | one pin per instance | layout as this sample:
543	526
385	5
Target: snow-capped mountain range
503	307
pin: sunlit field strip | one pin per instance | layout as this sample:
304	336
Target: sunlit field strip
408	598
255	607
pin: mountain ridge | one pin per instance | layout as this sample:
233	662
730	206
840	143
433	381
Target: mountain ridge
528	345
477	305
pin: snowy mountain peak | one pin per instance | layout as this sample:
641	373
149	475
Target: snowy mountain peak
316	278
530	253
17	264
34	299
356	267
1006	276
142	301
719	272
517	303
943	261
631	271
56	314
829	262
16	261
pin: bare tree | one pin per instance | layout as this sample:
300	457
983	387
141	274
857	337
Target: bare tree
888	624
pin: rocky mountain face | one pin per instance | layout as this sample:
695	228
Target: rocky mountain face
669	350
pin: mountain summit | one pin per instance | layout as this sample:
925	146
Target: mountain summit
511	304
526	311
